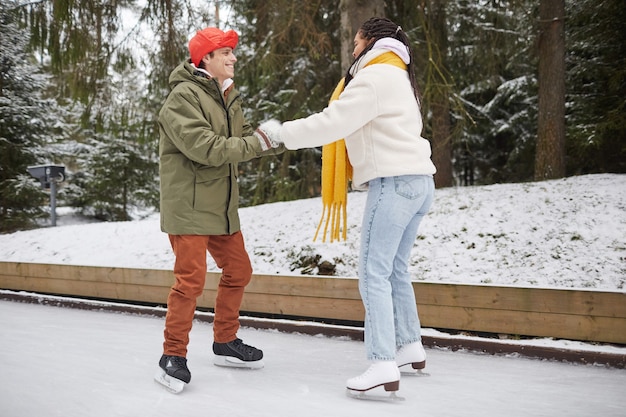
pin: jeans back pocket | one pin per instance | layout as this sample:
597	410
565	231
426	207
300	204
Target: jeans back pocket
408	186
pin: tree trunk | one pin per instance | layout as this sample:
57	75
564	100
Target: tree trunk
550	153
440	102
353	14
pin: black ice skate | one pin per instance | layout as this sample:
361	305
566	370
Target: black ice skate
237	354
173	373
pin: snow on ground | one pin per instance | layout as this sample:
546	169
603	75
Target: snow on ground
75	363
562	233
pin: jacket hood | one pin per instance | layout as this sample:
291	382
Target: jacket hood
185	72
182	73
382	46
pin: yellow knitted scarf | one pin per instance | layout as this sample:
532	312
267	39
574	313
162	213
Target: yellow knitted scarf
337	170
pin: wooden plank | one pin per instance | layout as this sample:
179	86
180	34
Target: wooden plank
287	285
598	303
305	286
566	326
254	302
91	289
89	273
319	307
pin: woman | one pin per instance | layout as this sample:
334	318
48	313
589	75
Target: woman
378	114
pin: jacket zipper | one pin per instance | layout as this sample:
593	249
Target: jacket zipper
230	133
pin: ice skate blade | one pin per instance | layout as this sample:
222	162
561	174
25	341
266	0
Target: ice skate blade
367	395
232	362
413	365
173	385
407	370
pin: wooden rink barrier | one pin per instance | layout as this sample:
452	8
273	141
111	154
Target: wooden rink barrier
583	315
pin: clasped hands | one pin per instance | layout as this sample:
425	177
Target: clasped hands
268	134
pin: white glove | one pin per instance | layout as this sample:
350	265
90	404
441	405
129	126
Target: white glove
268	134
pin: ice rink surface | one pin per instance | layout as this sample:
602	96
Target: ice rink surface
67	362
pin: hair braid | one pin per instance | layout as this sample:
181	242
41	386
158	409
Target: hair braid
380	27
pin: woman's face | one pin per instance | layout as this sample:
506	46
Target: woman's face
360	43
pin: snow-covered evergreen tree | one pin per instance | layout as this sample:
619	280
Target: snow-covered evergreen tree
493	60
117	178
24	120
596	86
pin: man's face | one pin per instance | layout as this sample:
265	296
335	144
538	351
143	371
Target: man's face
222	64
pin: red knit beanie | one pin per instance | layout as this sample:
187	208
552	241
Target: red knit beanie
208	40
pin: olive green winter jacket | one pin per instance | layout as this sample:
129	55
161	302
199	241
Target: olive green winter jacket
202	138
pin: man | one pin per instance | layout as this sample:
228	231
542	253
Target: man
203	135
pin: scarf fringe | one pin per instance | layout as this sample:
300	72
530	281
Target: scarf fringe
334	215
336	172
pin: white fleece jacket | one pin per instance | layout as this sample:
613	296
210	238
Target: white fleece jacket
378	117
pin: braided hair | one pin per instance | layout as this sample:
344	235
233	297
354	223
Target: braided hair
377	28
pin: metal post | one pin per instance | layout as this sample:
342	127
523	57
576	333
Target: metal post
53	202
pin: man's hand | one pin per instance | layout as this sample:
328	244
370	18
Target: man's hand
268	134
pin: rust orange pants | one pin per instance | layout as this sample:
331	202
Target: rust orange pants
190	269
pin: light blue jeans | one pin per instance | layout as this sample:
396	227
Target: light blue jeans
394	209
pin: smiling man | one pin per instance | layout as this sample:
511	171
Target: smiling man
203	135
